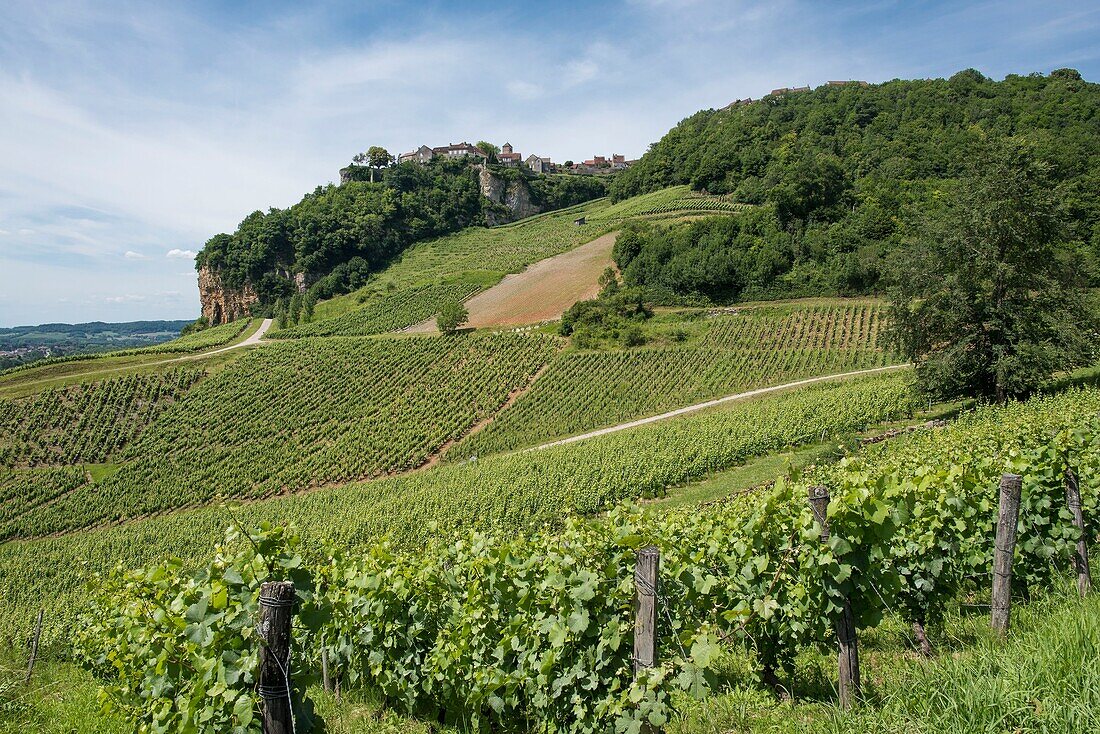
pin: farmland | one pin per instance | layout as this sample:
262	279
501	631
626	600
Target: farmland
86	423
734	352
304	414
675	201
761	560
446	269
509	493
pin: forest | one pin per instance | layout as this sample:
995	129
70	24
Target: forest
839	176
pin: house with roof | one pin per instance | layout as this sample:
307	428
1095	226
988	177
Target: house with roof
458	150
508	157
539	164
423	154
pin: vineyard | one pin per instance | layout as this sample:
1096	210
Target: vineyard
302	414
506	493
506	631
206	339
583	390
87	423
447	269
214	336
670	202
389	311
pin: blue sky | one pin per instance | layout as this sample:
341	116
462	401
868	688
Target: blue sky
132	132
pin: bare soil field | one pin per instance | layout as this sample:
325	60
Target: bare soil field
542	292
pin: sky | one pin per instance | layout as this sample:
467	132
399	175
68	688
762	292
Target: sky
130	133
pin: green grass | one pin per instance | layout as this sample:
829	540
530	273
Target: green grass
721	354
61	698
1045	677
27	382
673	202
99	472
456	266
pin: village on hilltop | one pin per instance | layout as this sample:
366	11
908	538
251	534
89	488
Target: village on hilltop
779	92
509	158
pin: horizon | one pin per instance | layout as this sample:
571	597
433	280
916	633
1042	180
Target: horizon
136	134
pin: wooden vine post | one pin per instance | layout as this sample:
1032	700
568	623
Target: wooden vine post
646	568
277	601
1081	552
34	647
1008	515
846	637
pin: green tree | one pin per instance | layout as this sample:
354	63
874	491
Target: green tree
308	303
295	311
489	150
984	301
451	316
609	281
378	158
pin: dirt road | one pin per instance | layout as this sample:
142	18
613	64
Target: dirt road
712	403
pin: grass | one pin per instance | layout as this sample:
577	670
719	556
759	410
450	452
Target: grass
479	255
61	698
99	472
1045	677
27	382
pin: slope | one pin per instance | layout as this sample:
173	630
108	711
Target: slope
542	292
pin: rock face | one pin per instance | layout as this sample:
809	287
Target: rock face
512	197
220	304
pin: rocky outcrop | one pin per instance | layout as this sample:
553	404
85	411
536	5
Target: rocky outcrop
512	198
221	304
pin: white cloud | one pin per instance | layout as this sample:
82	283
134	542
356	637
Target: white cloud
524	90
175	252
25	231
129	298
579	72
131	255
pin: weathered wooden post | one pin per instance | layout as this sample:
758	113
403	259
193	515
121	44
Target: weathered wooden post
34	647
646	568
326	681
846	637
1008	515
1081	553
277	601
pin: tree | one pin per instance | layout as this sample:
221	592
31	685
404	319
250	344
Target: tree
489	150
378	158
308	303
984	300
451	316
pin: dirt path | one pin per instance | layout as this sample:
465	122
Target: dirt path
251	340
710	404
542	292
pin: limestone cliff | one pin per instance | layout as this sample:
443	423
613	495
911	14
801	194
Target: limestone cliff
512	198
221	304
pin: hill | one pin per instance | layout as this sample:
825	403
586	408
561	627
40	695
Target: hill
24	344
337	236
836	173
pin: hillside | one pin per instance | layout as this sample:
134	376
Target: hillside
25	344
467	517
337	236
838	174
